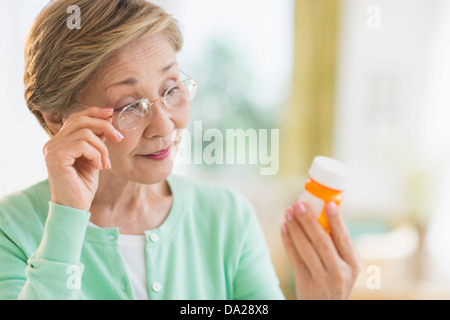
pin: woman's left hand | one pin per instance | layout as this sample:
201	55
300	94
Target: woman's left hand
326	265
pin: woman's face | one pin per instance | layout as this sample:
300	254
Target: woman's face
145	68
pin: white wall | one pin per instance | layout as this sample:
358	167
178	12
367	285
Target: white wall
435	134
21	137
382	75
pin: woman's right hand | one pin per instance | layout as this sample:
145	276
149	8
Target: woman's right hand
76	154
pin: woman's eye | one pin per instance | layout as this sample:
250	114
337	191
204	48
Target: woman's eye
172	91
122	105
117	110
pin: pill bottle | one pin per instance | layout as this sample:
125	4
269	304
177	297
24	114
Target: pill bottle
328	179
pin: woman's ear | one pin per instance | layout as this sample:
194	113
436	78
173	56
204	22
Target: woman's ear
54	121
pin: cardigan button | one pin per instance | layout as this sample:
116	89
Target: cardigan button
154	237
112	237
157	287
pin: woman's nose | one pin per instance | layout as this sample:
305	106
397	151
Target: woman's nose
160	122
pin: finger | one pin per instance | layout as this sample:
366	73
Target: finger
84	149
97	142
302	244
95	112
70	147
299	266
110	120
101	127
319	238
340	235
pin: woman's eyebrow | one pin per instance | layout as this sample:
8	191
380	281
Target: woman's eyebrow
129	81
133	80
168	67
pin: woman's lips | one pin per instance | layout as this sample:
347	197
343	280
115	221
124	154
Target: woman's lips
160	155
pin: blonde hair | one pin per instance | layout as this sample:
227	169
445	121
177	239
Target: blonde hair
60	61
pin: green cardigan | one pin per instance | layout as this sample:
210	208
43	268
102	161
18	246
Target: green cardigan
210	247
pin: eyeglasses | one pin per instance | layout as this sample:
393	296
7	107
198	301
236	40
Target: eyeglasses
132	116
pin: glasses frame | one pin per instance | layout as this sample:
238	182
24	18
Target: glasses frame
146	102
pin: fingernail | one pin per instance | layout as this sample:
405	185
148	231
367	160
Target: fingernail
109	164
332	208
301	207
109	110
284	228
289	216
119	135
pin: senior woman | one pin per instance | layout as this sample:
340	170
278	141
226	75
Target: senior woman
111	221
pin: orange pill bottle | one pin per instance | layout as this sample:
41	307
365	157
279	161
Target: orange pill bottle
328	179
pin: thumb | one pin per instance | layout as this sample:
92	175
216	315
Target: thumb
339	233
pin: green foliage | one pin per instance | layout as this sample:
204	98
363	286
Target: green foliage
228	93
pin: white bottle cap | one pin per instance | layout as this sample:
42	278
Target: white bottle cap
330	173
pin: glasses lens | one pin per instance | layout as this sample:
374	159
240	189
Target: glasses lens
132	116
181	94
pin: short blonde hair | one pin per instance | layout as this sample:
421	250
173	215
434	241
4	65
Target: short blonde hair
60	61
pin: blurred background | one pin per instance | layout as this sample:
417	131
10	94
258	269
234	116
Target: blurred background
366	82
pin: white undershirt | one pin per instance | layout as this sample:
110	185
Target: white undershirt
133	252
